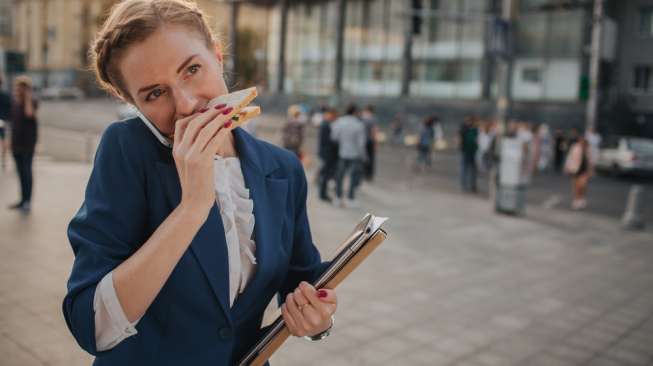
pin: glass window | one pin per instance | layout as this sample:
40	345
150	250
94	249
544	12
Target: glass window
566	32
642	79
531	35
532	75
646	21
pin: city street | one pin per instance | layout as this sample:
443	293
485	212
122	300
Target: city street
454	284
607	195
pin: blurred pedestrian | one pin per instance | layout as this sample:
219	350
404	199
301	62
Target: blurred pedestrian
486	137
425	143
579	166
594	140
573	138
24	133
544	148
349	132
397	127
468	138
559	150
369	120
5	111
293	131
328	152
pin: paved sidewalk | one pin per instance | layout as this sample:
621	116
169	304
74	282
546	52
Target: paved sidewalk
453	285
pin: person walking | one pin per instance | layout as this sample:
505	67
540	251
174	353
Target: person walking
594	140
24	132
579	166
425	144
468	136
328	152
5	112
293	131
349	132
370	121
559	150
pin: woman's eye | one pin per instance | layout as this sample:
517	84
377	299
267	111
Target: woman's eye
193	69
154	94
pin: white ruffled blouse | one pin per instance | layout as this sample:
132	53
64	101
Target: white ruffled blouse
237	213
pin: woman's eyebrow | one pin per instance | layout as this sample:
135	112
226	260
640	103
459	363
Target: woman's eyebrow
146	88
185	63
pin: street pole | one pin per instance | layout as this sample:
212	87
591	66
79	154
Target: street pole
340	46
504	101
407	72
281	63
595	65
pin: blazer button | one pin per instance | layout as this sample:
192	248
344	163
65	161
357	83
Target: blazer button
226	333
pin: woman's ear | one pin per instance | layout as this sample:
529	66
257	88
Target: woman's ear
217	50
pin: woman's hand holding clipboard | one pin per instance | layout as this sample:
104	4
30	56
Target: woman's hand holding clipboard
366	237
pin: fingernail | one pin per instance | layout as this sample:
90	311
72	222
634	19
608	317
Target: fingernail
321	294
227	111
203	110
227	124
220	106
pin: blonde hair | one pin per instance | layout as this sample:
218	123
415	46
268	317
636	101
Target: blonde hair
132	21
23	80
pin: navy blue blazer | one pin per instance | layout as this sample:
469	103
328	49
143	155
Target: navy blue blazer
133	187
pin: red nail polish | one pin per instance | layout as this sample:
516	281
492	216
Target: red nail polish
227	111
220	106
203	110
227	124
321	294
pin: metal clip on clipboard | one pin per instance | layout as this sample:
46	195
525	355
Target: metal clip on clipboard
365	237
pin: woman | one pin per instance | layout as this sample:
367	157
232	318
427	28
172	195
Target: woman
293	131
425	144
23	138
178	250
579	166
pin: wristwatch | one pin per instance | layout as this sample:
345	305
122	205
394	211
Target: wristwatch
321	336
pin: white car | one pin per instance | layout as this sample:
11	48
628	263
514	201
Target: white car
620	154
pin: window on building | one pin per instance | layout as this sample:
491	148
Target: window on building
646	21
5	20
642	81
532	75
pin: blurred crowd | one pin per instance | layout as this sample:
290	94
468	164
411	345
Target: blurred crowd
348	140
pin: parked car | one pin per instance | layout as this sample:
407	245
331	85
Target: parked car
58	92
622	154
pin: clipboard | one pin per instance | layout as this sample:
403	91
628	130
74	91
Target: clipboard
363	240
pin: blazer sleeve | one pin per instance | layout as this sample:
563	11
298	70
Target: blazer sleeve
107	229
305	262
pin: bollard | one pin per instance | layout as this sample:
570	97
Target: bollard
632	218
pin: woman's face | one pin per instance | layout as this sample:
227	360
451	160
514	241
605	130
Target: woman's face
171	75
19	91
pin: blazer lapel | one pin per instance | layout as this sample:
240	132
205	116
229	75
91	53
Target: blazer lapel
269	197
209	245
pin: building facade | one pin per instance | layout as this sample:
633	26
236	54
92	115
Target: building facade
54	35
451	66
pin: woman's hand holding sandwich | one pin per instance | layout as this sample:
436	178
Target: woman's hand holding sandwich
198	138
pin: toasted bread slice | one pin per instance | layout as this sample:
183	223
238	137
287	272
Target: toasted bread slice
237	99
245	115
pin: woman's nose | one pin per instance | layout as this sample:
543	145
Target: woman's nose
185	102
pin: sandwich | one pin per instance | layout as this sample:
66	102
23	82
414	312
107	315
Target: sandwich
239	101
